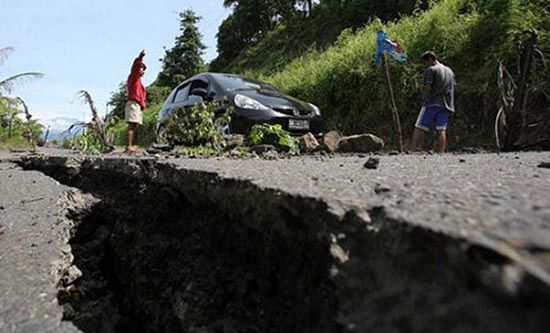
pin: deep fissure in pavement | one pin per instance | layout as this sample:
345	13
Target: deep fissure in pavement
153	262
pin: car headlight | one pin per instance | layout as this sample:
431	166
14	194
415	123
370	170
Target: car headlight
316	110
246	102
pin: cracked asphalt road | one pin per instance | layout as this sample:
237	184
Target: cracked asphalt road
33	243
500	201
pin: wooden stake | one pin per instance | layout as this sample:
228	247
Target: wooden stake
395	113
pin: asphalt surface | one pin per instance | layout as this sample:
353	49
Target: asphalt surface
500	201
33	245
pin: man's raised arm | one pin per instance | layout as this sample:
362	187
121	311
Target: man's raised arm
138	62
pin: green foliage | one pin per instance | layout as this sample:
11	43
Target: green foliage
97	136
14	143
91	140
13	129
88	142
274	134
156	94
249	22
290	28
118	100
184	58
469	36
197	126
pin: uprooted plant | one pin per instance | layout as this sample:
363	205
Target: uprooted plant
95	137
29	135
276	135
198	126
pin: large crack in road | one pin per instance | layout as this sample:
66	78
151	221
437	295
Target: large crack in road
153	262
302	245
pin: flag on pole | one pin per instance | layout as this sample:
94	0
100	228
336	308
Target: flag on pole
388	46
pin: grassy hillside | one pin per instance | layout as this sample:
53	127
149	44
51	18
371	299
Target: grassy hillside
469	36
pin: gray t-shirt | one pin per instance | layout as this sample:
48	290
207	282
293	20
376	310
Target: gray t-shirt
442	80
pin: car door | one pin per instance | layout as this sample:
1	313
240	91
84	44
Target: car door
199	84
177	99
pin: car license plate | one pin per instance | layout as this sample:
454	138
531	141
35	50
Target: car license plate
298	124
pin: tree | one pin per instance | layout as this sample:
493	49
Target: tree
11	125
185	58
297	26
245	27
118	100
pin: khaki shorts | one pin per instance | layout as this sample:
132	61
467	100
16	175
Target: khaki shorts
133	113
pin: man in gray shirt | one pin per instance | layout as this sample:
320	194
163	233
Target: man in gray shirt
439	83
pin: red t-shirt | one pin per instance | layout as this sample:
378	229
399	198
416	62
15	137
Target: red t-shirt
136	90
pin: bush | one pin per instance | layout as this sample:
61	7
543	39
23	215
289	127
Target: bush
16	132
274	134
14	143
197	126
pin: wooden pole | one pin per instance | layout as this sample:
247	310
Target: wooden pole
395	113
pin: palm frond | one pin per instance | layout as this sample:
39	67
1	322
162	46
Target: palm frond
80	125
28	116
5	53
9	83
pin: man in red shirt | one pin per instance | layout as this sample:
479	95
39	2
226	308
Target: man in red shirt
133	113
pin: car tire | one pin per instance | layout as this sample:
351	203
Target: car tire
223	126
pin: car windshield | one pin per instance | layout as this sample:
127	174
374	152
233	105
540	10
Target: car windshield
233	82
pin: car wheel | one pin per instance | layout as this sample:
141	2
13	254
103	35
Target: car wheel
223	126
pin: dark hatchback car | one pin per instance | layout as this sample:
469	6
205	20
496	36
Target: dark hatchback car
254	102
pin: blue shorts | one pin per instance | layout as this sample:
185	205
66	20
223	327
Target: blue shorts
433	116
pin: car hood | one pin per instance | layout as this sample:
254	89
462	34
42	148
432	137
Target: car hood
276	100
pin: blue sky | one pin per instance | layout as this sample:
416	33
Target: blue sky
90	45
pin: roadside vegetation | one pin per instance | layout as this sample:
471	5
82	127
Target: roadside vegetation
17	128
274	135
288	29
322	52
470	36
